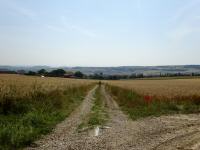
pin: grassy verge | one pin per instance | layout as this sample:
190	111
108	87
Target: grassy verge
98	114
137	106
25	119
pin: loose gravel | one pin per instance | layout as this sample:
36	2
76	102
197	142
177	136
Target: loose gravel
173	132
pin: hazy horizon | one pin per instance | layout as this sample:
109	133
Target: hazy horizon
99	33
35	65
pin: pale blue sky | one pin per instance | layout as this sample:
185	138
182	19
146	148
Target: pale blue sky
99	32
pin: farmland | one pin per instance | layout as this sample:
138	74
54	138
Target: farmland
67	113
143	98
162	89
31	106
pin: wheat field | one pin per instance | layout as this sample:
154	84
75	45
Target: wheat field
22	85
32	106
162	89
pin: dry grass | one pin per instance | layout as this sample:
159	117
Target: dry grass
163	89
31	106
25	84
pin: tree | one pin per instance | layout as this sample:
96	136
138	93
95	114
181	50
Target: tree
133	76
21	71
31	73
140	75
78	74
42	72
99	76
57	73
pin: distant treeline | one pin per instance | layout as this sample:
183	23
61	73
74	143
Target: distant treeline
8	72
139	75
99	76
43	73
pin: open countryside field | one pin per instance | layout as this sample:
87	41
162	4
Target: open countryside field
99	75
31	106
25	83
81	114
166	112
143	98
162	89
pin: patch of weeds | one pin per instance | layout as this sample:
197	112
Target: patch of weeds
98	114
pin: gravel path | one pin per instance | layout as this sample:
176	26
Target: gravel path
61	136
121	133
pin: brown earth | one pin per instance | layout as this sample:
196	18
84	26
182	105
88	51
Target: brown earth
121	133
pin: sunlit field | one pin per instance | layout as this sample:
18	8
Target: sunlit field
162	89
143	98
23	85
31	106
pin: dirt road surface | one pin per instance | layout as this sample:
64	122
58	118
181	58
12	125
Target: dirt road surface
177	132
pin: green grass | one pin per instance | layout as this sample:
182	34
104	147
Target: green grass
98	114
25	119
136	107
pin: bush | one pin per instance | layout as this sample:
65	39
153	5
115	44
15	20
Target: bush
78	74
57	73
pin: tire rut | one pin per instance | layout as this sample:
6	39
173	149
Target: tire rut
114	137
186	138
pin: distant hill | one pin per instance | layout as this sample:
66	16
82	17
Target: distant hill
122	70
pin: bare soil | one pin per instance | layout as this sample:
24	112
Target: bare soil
120	133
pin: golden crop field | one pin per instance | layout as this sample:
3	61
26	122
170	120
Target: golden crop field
162	89
21	85
31	106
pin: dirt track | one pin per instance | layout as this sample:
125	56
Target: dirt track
159	133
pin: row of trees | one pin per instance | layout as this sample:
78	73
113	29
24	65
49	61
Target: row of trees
101	76
56	73
43	72
78	74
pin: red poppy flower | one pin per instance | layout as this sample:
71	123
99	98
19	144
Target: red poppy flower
148	99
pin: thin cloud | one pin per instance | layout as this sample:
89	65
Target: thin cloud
82	31
72	27
77	28
24	11
183	10
187	28
55	28
181	33
19	9
184	23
